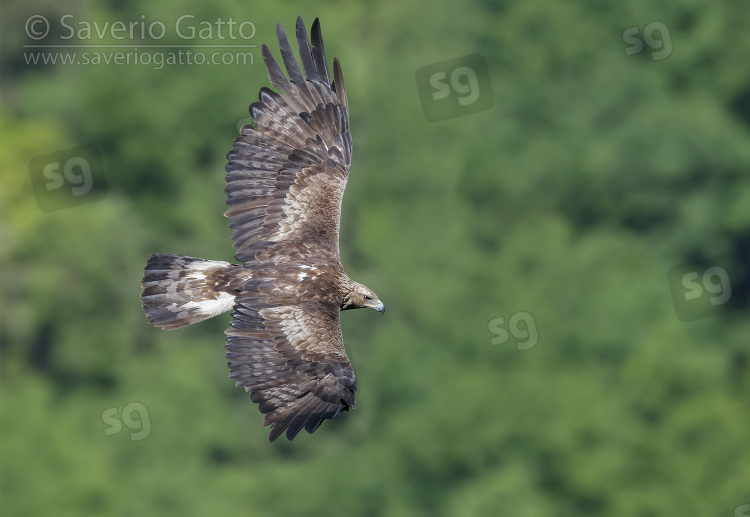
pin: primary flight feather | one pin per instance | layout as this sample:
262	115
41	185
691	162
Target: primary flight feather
285	181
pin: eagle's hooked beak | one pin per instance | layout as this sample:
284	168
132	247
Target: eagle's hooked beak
380	307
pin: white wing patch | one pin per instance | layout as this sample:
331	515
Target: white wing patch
307	330
312	199
310	274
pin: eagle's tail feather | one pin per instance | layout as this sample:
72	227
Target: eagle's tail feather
179	291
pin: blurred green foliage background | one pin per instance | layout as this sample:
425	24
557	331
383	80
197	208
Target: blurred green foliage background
593	173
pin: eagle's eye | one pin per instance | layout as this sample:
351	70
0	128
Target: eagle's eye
368	297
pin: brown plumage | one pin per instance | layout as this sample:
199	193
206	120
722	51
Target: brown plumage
285	181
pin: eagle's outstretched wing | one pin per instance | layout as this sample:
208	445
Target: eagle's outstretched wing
286	174
292	360
285	180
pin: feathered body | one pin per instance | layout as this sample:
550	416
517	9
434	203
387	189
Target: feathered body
285	181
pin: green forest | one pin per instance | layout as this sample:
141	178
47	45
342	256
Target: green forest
552	200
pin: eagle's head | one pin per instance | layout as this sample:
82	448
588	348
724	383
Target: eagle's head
359	297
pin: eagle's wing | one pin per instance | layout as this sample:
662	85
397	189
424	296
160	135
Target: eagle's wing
285	180
286	174
292	360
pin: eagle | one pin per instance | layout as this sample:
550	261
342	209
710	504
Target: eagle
286	176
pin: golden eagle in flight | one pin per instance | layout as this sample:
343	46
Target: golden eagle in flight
285	181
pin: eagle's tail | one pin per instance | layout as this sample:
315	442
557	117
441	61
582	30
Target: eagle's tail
179	291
